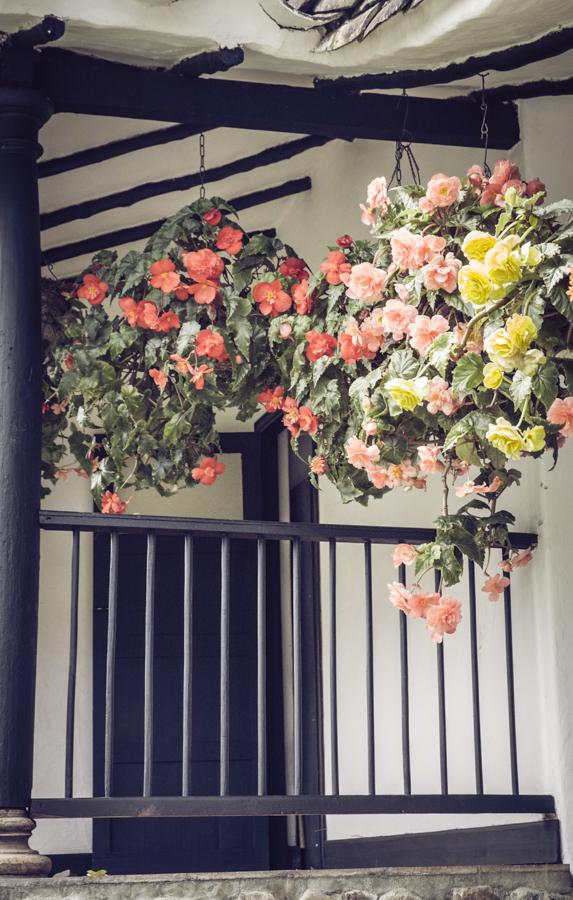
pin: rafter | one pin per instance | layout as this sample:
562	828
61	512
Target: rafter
94	86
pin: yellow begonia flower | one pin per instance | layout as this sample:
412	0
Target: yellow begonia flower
476	244
492	376
502	264
522	331
502	350
534	438
507	438
474	284
408	394
530	362
530	256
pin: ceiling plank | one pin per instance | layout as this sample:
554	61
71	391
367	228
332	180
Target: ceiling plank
102	152
83	84
553	44
128	197
140	232
543	88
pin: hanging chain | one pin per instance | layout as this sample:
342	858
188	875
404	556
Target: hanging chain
484	130
404	148
202	169
47	265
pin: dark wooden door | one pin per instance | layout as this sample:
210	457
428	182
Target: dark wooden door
176	845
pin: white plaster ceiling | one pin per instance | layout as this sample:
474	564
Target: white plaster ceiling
435	33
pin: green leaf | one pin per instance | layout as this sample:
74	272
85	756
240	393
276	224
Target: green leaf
439	352
474	422
467	375
403	364
546	383
520	389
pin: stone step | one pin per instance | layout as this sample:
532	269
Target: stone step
540	882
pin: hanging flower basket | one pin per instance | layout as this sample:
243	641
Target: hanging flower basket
440	348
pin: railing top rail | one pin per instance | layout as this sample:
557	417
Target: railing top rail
241	528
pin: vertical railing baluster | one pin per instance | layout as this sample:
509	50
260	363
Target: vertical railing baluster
148	665
224	667
475	680
110	664
405	692
333	668
369	669
261	667
72	666
510	687
187	663
297	665
441	703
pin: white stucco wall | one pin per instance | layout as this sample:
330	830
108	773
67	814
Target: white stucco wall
543	629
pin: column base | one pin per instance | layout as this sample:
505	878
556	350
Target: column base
16	857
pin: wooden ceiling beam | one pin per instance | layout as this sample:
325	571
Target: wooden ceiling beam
83	84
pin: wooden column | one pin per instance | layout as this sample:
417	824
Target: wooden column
22	112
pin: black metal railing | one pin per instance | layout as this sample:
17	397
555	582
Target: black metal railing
295	799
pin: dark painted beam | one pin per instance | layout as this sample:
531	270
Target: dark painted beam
546	47
133	195
92	155
305	804
210	62
50	29
558	88
83	84
139	232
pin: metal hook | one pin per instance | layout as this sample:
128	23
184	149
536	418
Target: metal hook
484	129
202	169
404	146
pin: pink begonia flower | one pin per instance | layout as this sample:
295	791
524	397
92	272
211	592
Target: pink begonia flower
475	344
365	282
377	195
405	249
443	191
399	596
367	216
404	554
421	602
397	318
443	618
359	454
403	293
460	467
494	586
535	186
379	477
372	331
424	331
440	398
429	462
504	170
441	273
426	205
471	488
285	330
561	413
516	560
475	176
371	428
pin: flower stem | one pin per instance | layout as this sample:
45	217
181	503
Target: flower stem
483	314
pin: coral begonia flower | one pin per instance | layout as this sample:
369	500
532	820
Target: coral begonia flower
307	420
293	267
212	216
130	309
319	344
273	399
230	240
93	290
181	364
210	343
204	292
494	586
147	315
443	618
198	375
207	470
334	266
290	419
167	322
111	503
318	465
303	299
271	297
203	265
163	275
160	378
